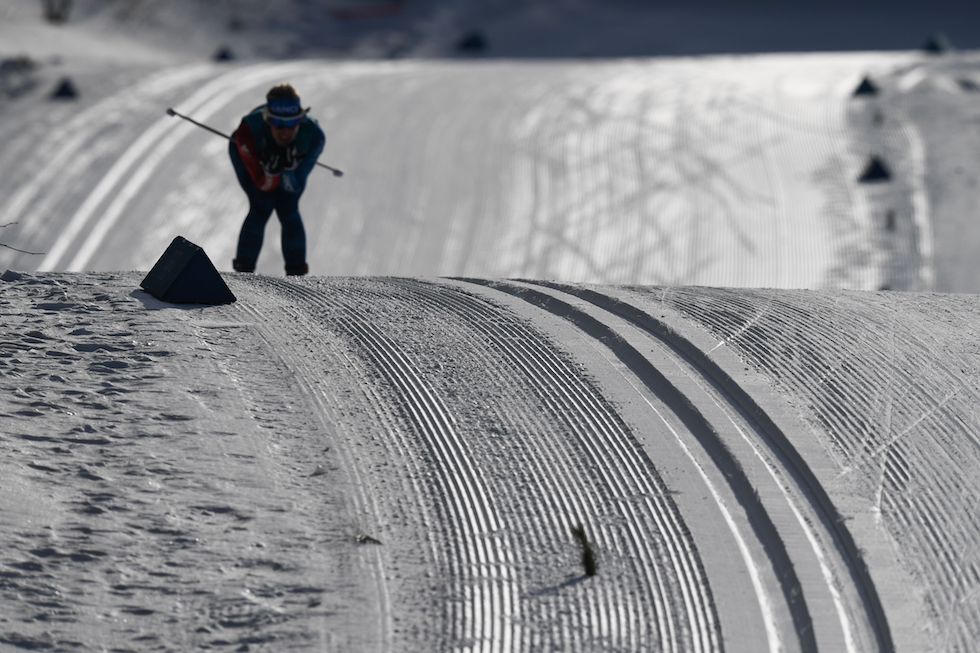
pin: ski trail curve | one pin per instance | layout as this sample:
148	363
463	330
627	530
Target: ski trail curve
67	142
134	168
861	615
769	529
499	444
675	584
486	618
764	434
891	411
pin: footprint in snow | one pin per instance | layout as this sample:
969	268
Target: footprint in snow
173	417
90	347
108	365
55	306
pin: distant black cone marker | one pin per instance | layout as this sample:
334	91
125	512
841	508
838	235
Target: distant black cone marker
866	88
875	172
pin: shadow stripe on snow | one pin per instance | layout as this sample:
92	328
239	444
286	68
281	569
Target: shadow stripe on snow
777	442
757	515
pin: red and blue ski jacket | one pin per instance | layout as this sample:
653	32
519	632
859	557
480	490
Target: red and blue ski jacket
271	166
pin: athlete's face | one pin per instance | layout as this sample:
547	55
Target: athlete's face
284	135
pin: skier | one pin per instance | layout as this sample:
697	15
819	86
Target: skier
273	151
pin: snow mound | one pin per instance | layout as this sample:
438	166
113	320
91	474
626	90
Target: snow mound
337	460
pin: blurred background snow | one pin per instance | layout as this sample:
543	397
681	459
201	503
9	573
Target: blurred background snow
104	47
182	29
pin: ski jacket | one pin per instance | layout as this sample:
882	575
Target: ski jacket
271	166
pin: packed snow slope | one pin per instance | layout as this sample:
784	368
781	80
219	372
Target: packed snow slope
365	464
728	171
723	171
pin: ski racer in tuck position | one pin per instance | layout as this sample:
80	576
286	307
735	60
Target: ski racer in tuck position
273	151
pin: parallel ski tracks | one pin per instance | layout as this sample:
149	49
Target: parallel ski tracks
661	599
500	470
893	412
678	594
330	405
836	532
480	571
73	146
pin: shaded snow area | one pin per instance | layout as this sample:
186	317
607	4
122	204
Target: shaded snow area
182	29
629	327
396	464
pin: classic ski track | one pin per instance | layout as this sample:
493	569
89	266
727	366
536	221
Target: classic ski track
309	375
614	455
329	404
133	167
481	571
138	176
564	490
558	526
66	140
765	529
588	416
768	435
928	518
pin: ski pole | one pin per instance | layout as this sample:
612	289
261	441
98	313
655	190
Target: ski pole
171	113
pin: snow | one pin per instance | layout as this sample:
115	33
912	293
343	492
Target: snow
701	367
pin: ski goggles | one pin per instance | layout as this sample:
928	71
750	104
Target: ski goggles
284	114
282	121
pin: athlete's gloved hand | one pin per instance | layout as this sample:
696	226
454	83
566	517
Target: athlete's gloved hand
290	183
280	159
289	160
273	163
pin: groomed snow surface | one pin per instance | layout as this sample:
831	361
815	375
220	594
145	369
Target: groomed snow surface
647	297
396	464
